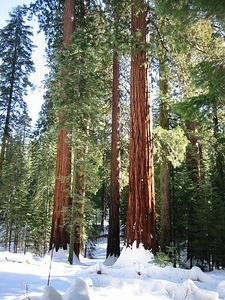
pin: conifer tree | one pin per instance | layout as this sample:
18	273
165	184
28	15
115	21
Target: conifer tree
141	214
197	57
165	203
113	245
15	67
59	234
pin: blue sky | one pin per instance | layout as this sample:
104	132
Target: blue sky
6	7
34	99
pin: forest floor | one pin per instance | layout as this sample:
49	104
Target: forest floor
133	276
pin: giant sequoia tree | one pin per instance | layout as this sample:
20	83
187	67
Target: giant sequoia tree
141	219
59	234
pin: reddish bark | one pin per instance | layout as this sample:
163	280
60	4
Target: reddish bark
59	235
141	218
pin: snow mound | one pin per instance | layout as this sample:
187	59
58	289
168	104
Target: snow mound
51	294
21	258
221	289
110	260
194	274
189	291
79	290
98	268
132	255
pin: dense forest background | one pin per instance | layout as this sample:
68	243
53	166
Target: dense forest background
85	160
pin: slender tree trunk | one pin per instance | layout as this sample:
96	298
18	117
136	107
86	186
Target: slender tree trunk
193	167
166	236
77	209
141	215
59	234
79	214
113	247
72	212
103	201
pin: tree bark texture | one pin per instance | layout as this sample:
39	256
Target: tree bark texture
141	216
113	247
59	235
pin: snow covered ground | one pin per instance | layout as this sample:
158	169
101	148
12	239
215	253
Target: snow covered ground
133	276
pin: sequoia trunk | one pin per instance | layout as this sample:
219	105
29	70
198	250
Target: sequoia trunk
141	219
59	234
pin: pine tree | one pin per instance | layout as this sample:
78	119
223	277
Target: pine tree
113	245
165	203
14	192
196	57
16	66
50	16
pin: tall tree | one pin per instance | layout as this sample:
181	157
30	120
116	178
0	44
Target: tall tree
59	234
81	108
141	214
113	246
166	234
14	191
16	66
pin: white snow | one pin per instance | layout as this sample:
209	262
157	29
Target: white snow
133	276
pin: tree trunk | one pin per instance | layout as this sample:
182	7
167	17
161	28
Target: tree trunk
141	215
103	201
77	210
193	167
113	247
166	236
59	234
79	214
